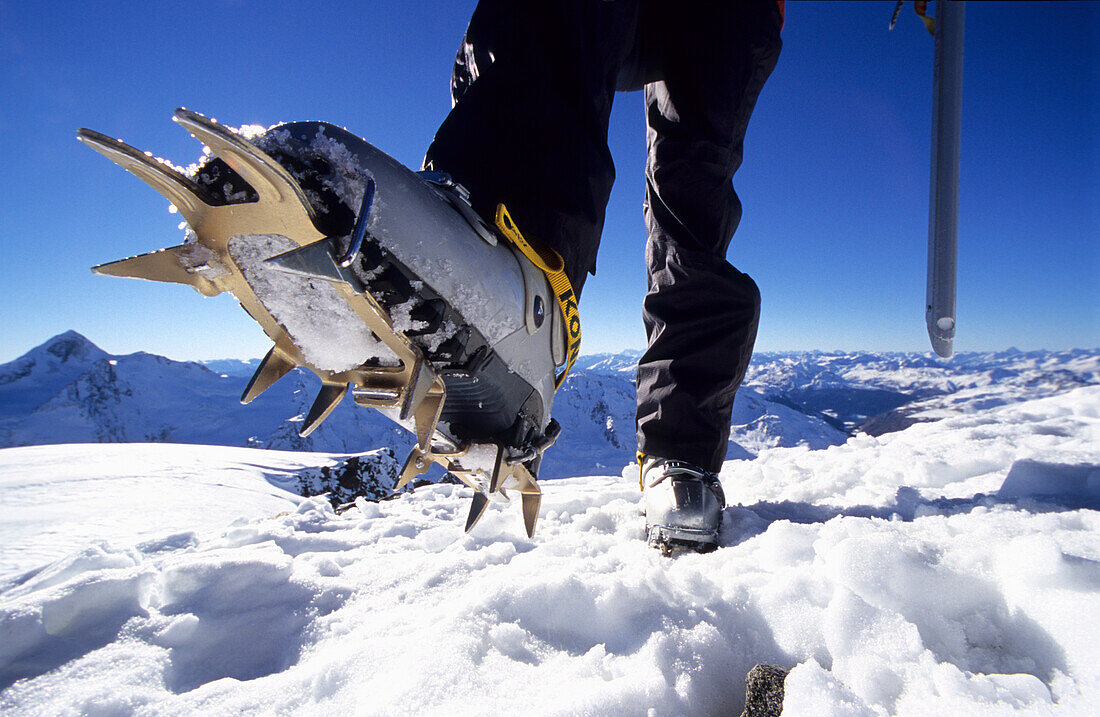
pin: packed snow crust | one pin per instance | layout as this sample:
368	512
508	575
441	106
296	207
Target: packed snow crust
311	310
948	568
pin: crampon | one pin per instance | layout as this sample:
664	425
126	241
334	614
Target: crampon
384	283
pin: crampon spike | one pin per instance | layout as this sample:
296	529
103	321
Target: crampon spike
531	503
426	414
182	264
498	470
477	509
312	260
179	189
415	465
329	398
270	180
273	367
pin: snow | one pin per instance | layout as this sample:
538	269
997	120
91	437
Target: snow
57	499
348	177
949	568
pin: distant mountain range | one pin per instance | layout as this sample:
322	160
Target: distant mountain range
70	391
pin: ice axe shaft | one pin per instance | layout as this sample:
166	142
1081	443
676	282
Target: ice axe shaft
944	193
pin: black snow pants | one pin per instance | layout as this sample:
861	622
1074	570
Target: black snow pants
532	87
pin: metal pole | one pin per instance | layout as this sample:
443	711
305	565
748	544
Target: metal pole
944	194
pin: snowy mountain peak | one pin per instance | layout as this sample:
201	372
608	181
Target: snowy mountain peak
72	346
36	376
67	349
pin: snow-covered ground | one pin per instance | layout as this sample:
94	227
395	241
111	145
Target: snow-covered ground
58	499
949	568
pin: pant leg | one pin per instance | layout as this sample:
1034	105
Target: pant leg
533	85
700	312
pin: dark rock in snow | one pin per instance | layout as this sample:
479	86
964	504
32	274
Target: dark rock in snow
888	423
764	691
369	475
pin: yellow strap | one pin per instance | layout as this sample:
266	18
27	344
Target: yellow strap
551	264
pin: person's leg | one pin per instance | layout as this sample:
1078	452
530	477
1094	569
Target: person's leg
700	313
533	85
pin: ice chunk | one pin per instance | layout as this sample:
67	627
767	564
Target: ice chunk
1032	478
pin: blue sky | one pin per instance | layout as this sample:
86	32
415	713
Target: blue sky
835	179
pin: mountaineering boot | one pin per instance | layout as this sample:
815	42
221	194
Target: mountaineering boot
382	281
683	505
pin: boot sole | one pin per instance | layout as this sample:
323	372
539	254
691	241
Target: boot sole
668	538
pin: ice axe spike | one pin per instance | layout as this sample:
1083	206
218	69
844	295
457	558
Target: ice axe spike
273	367
184	194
